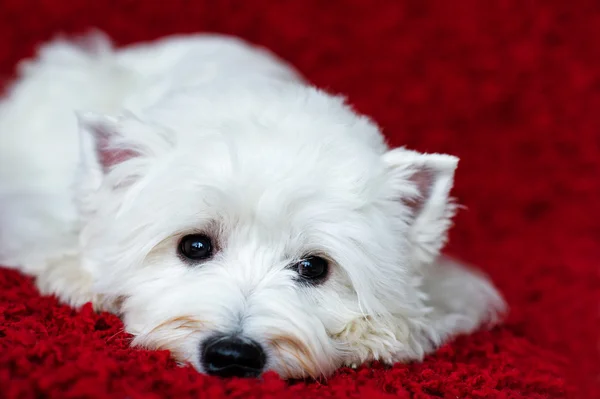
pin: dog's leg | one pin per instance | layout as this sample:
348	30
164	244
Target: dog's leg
72	285
462	300
459	300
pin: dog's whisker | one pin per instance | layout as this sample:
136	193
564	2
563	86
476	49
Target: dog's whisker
121	331
299	351
178	322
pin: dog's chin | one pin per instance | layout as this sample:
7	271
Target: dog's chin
285	355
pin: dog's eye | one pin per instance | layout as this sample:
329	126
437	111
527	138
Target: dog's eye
196	247
313	269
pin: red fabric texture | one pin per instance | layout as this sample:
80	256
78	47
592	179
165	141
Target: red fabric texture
512	87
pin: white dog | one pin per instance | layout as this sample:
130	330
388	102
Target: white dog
227	210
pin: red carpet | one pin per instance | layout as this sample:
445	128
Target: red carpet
511	87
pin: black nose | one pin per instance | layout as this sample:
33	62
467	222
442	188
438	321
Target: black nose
232	357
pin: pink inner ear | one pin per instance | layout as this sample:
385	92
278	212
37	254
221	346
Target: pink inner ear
107	156
423	179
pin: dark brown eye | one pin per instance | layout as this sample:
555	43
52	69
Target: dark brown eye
196	247
312	269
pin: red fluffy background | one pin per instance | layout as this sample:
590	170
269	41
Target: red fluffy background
512	87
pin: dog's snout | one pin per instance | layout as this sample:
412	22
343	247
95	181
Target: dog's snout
232	357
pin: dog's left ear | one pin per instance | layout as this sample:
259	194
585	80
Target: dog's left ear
423	182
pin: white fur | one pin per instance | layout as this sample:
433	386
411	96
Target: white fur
220	137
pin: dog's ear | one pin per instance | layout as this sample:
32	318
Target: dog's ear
102	141
107	142
423	182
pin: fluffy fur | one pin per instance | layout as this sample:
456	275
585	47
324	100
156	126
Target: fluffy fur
109	156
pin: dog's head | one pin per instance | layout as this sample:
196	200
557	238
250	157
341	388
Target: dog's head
267	230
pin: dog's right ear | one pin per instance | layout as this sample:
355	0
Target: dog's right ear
102	141
107	142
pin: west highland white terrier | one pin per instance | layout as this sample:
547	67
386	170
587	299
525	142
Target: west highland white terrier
227	210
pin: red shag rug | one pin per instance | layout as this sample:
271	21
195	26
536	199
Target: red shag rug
511	87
